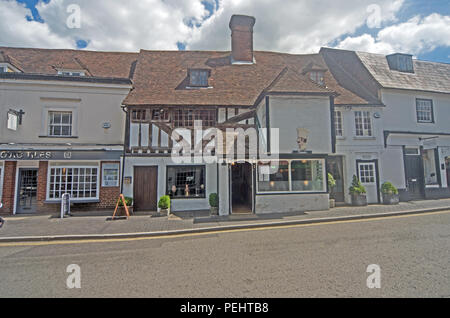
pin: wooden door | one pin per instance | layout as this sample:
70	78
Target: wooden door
415	177
145	188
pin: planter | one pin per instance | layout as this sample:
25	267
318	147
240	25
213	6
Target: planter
121	211
359	200
332	203
391	199
164	212
214	211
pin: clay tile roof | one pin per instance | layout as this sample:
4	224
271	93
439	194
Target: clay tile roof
5	58
290	81
98	64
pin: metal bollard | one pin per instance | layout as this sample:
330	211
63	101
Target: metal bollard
65	205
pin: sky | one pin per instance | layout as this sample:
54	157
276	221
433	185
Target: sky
421	28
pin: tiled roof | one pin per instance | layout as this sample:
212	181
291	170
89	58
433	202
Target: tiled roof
161	77
97	64
427	76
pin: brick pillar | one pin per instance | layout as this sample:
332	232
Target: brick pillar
9	187
42	185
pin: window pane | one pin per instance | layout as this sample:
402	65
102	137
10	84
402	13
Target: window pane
272	178
73	181
307	175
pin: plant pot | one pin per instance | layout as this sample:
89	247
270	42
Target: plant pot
214	211
332	203
122	212
391	199
164	212
359	200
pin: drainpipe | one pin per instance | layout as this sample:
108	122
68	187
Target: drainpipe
125	110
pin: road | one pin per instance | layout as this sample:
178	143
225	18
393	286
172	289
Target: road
327	260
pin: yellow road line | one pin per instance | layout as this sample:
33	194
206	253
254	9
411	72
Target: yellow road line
266	228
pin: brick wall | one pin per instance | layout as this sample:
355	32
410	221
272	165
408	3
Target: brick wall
9	186
42	186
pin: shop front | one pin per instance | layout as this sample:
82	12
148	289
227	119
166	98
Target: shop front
34	181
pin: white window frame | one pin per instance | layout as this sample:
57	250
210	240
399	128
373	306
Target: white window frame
339	121
290	191
421	110
373	170
110	166
317	77
60	125
57	165
71	73
45	120
367	130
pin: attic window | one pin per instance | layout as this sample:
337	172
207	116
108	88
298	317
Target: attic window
198	78
71	73
317	77
401	62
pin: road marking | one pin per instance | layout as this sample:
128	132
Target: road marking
266	228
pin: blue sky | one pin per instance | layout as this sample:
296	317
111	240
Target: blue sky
205	27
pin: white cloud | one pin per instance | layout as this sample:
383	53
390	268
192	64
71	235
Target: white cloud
296	26
417	36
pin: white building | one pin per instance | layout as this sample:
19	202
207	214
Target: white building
61	127
415	125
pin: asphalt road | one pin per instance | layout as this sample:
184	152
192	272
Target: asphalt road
328	260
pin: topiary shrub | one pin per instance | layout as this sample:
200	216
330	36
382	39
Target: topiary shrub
357	187
214	200
164	203
388	188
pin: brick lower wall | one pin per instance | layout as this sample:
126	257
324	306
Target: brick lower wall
42	186
9	186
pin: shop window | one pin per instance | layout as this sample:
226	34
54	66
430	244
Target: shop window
186	182
307	175
273	178
79	182
110	175
295	176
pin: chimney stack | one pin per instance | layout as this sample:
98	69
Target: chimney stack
242	38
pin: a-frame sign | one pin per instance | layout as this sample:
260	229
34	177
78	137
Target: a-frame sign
121	198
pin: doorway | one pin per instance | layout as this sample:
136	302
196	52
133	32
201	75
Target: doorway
447	167
335	167
145	188
368	175
242	188
415	180
27	191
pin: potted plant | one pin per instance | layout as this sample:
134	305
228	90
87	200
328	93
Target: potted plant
331	186
214	203
129	203
164	205
390	194
358	193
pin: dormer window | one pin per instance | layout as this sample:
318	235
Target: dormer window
71	73
317	77
198	78
6	68
401	62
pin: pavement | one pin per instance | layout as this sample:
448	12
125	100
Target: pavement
49	228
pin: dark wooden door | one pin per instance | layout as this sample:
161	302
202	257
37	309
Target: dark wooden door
335	166
145	188
415	177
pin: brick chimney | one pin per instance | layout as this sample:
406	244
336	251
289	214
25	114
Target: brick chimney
242	38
